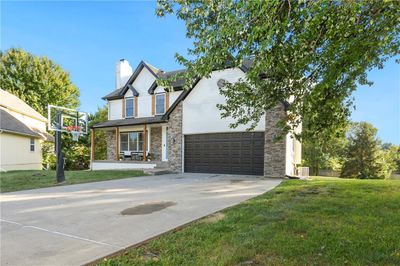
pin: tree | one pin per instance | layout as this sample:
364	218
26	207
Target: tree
36	80
101	115
39	81
324	150
311	52
77	153
393	152
364	156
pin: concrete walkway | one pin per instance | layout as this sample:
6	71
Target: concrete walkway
73	225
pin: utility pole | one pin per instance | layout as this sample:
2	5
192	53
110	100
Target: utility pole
60	156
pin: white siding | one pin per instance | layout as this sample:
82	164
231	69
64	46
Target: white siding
144	105
173	96
297	152
289	155
115	109
293	154
159	89
200	113
297	146
15	153
128	93
143	82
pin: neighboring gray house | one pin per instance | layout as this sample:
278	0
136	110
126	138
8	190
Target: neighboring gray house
183	130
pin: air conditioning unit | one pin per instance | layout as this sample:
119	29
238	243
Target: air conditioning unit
303	172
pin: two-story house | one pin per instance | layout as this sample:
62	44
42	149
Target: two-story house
22	133
184	130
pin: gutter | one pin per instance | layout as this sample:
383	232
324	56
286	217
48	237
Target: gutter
19	133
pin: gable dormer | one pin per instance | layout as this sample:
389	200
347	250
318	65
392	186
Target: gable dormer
140	96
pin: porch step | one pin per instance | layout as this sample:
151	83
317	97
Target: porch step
163	165
157	171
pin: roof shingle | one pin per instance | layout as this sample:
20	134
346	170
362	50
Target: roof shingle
11	124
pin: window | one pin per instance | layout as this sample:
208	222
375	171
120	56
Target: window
160	103
124	142
131	141
129	107
32	144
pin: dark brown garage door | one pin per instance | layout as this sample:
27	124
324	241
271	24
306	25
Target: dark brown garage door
225	153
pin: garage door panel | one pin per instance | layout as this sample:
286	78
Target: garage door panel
232	153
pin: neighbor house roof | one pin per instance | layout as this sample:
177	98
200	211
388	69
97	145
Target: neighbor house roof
9	123
12	102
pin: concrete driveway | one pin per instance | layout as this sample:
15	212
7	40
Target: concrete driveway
72	225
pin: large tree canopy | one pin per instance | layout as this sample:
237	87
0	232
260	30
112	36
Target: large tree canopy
36	80
312	53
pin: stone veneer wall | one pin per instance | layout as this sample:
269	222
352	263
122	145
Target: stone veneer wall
111	143
175	139
274	151
155	143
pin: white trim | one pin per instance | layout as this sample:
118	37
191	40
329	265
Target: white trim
136	143
183	153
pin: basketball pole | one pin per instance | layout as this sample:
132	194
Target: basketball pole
60	157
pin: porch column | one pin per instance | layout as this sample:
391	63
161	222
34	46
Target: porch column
145	143
92	145
117	143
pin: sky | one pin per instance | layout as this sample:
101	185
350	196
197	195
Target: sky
87	38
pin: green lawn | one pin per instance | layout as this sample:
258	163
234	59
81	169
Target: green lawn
21	180
321	222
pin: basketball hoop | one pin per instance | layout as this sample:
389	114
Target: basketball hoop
62	119
75	132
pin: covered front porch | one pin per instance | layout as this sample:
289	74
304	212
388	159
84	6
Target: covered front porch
132	147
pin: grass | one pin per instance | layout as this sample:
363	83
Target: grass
21	180
326	221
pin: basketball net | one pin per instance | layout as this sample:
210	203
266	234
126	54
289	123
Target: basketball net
75	132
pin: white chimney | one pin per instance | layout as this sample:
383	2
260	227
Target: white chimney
123	73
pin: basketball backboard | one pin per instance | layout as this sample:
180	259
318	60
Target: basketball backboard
67	120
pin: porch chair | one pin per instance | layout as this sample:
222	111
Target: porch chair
137	156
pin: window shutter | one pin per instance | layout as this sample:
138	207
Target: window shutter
153	104
136	106
123	108
166	101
